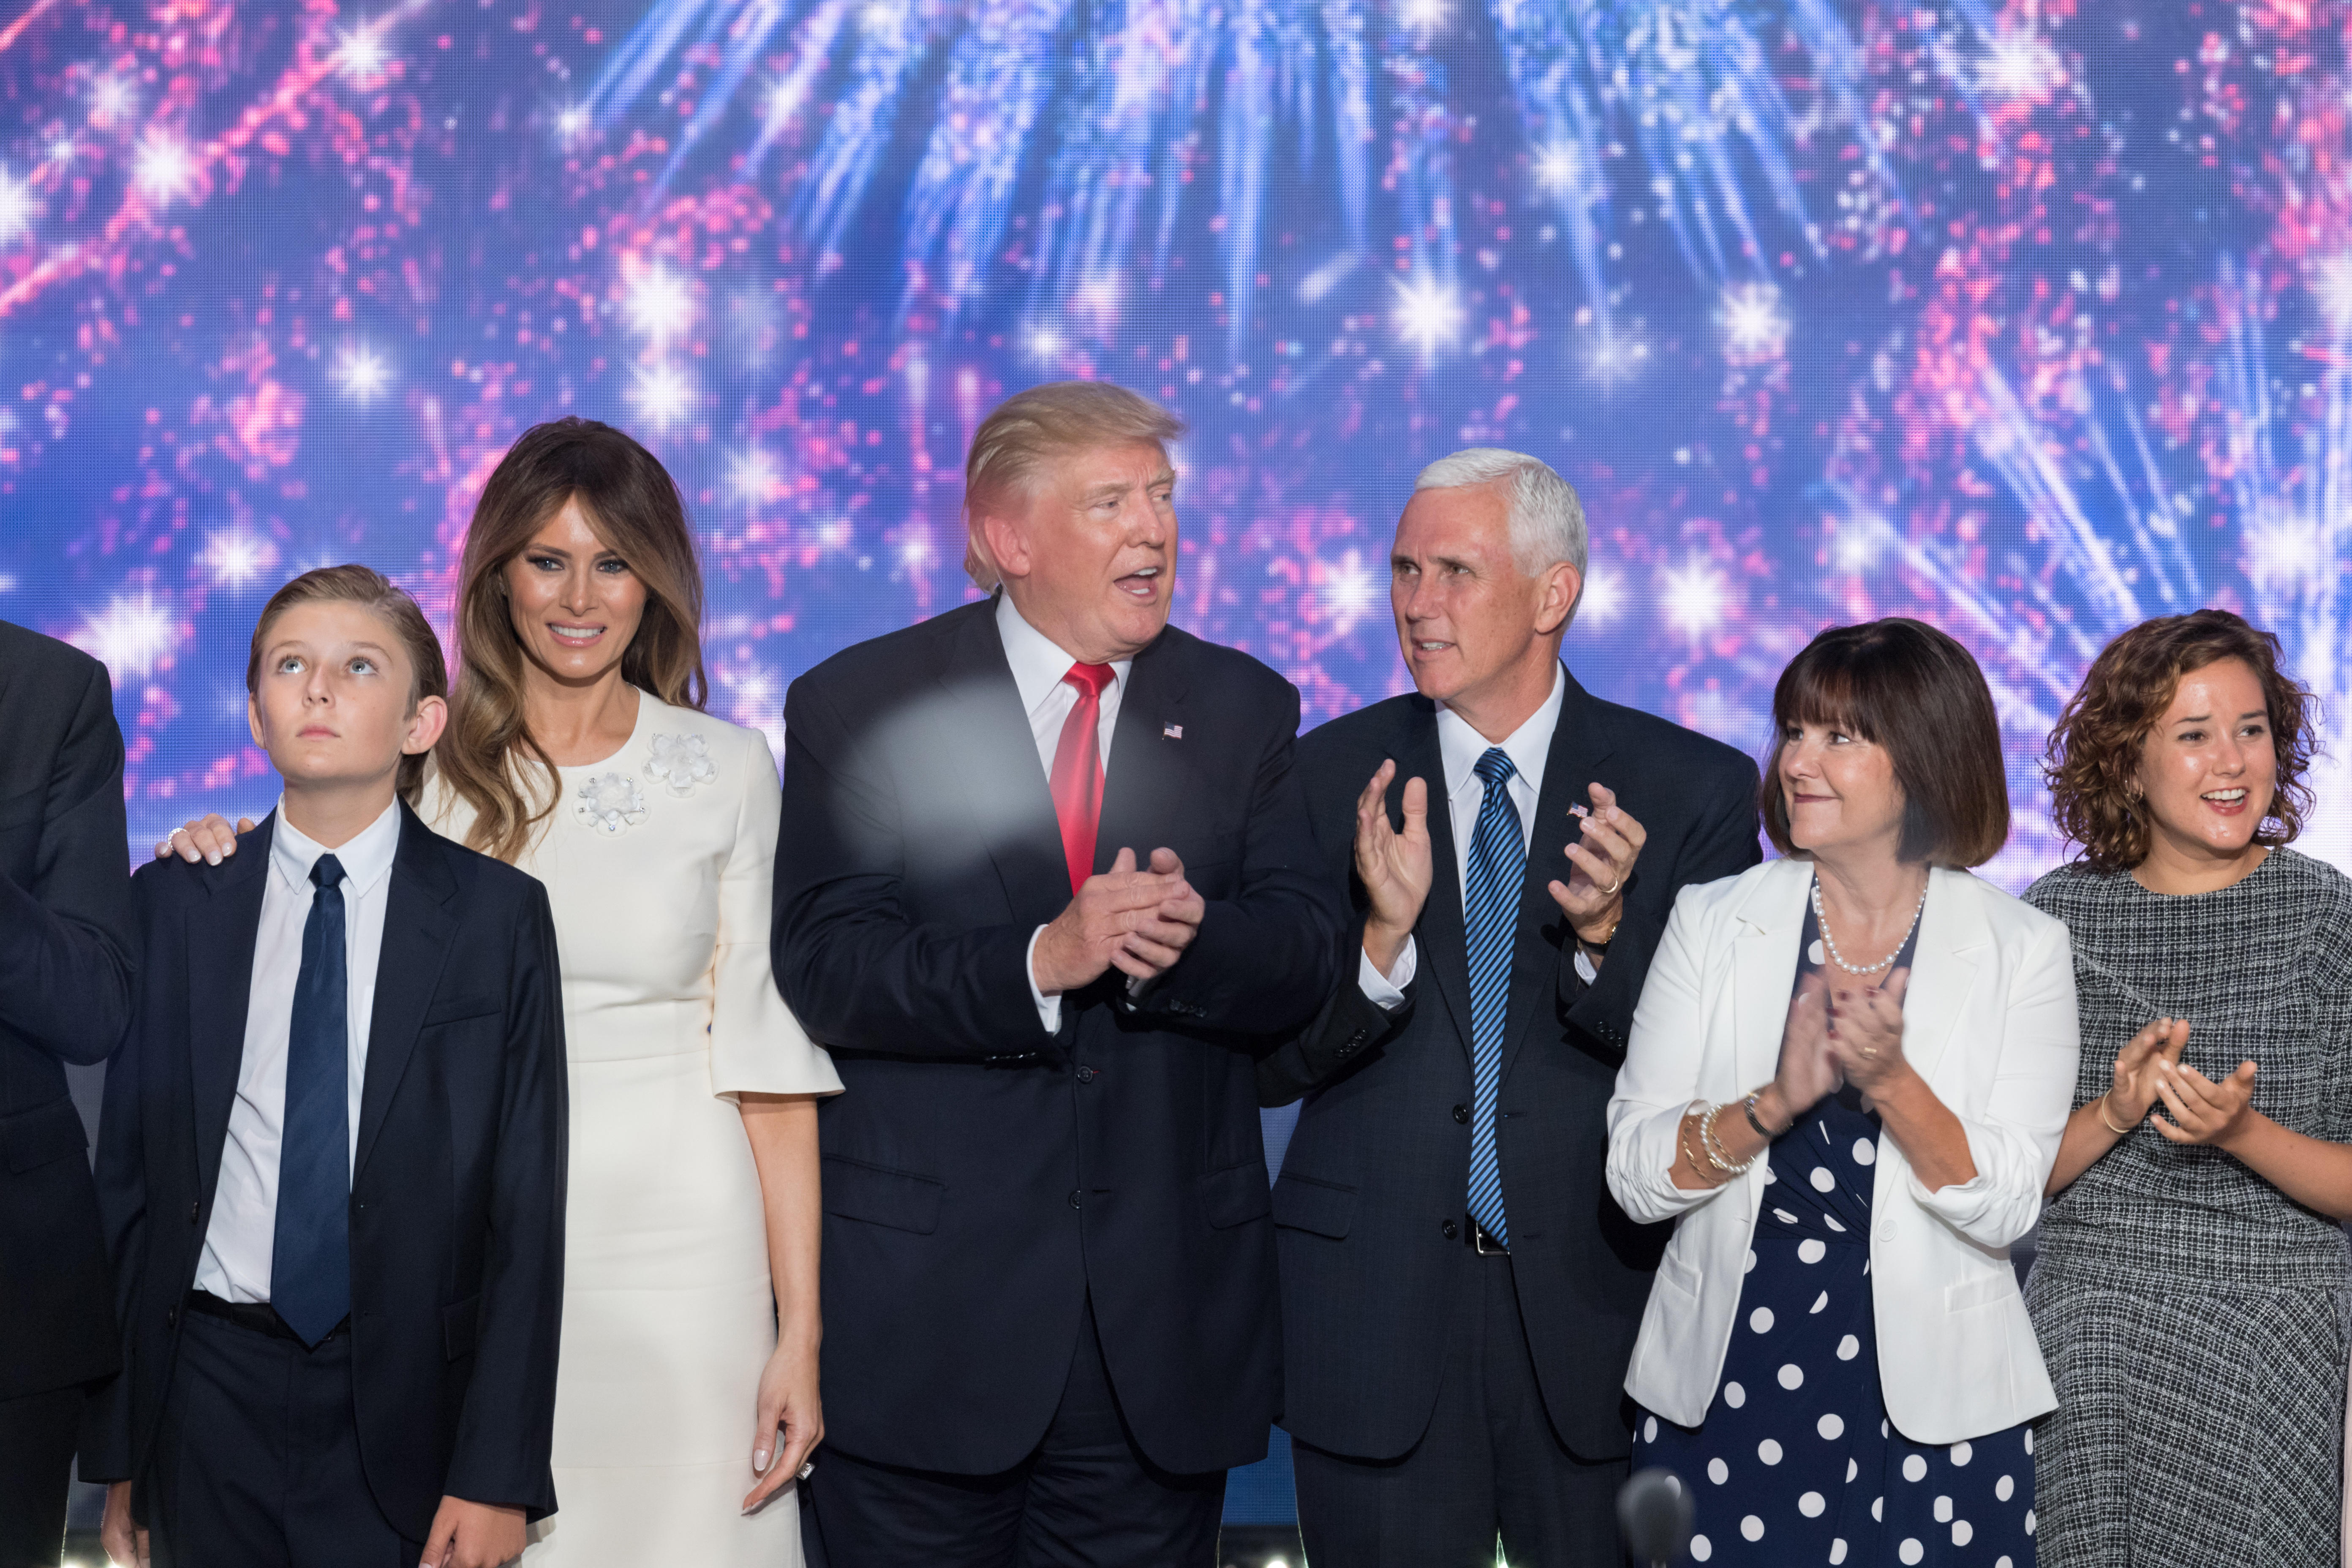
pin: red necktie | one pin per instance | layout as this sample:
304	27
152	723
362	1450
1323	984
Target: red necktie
1077	770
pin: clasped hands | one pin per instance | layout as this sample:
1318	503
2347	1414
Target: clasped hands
1395	868
1138	921
2149	1069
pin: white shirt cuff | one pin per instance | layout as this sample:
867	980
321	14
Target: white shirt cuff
1049	1008
1383	991
1584	969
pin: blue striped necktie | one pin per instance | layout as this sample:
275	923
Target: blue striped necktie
1498	864
310	1263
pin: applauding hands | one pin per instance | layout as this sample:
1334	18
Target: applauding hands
1137	921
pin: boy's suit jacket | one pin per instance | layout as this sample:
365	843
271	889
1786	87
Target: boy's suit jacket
457	1217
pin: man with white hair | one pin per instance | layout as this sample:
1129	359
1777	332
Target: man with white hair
1460	1293
1046	886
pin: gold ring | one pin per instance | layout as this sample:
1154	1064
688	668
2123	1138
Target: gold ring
1611	891
1870	1050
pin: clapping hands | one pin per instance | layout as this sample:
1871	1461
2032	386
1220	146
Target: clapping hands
1138	921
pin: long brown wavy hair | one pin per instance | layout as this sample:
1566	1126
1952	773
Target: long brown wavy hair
2093	757
488	754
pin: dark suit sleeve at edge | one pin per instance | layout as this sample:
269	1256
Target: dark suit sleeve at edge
122	1173
1262	960
507	1429
1722	845
857	972
66	942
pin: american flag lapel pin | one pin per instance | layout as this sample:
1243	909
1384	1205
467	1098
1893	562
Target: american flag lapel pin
1171	731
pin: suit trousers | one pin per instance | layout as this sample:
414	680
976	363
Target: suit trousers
37	1450
1086	1499
1489	1464
257	1457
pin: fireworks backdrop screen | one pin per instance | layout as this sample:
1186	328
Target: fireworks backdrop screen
2029	318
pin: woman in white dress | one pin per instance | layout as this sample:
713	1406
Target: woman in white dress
686	1392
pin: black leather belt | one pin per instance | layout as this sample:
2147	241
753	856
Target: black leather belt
260	1317
1481	1241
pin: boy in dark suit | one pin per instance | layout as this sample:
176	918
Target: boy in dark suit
332	1166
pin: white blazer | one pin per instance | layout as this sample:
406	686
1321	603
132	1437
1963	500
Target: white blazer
1989	1023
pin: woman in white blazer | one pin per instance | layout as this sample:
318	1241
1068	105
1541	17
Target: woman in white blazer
1847	1079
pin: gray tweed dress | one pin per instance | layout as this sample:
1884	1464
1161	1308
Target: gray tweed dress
2190	1314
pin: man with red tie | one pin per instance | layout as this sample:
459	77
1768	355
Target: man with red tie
1046	886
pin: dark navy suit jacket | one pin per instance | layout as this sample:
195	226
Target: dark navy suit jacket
65	944
457	1216
982	1178
1369	1208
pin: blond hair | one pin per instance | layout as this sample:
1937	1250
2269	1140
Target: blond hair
1031	427
429	673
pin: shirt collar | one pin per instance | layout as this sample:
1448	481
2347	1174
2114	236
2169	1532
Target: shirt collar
366	859
1038	662
1528	746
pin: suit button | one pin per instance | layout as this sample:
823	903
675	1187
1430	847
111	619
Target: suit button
1355	1040
1086	1075
1452	1231
193	1209
1461	1113
1077	1199
171	1317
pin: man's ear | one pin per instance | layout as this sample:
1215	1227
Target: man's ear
252	721
425	726
1563	585
1003	542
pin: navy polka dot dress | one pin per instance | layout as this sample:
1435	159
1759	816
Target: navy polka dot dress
1796	1461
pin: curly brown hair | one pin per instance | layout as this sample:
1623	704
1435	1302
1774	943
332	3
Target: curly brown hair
2094	756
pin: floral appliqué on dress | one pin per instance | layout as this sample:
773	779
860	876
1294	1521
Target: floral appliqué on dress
610	804
681	761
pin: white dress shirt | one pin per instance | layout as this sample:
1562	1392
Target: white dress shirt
1038	666
243	1229
1459	747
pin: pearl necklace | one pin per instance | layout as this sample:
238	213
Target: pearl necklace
1822	919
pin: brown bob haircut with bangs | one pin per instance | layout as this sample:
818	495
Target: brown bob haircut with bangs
1904	686
371	590
2093	759
489	755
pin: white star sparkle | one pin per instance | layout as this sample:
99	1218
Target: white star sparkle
1694	598
2019	65
1604	597
1428	313
1349	591
131	636
659	305
360	54
163	168
1422	15
753	477
2332	287
663	394
1557	168
235	557
110	97
571	122
1044	344
361	372
1753	325
16	207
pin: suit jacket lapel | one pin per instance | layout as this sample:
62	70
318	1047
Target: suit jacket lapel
1764	968
1445	949
990	742
419	923
1944	967
222	932
1147	769
1577	750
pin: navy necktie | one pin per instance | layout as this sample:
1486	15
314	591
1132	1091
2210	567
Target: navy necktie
1498	865
310	1264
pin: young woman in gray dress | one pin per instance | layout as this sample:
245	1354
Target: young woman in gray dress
2192	1262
